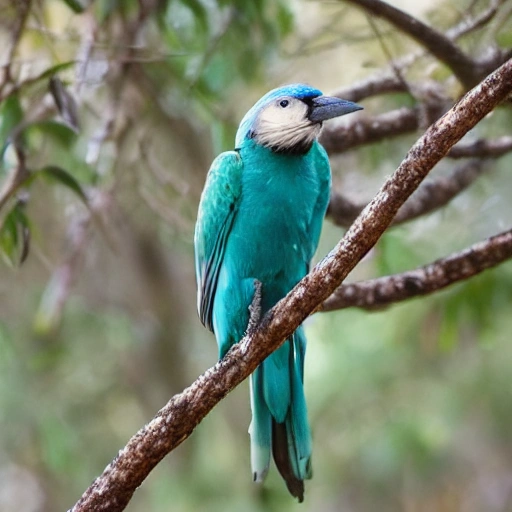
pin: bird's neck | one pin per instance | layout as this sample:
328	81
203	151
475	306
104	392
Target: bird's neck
302	148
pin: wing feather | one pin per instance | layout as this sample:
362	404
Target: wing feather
217	211
323	171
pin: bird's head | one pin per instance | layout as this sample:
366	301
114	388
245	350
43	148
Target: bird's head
289	119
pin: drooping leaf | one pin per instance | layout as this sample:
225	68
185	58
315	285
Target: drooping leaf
65	102
46	74
49	313
284	18
15	235
25	242
200	14
9	238
75	5
11	115
61	132
63	177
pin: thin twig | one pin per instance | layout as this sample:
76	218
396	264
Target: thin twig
22	12
468	25
388	82
445	50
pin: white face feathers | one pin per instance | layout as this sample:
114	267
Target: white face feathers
283	125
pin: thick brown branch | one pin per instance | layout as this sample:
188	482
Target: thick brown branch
384	291
380	83
463	67
369	129
430	196
176	421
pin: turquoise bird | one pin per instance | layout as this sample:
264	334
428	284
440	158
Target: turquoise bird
259	220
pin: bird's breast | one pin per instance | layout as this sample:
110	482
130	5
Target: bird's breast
270	239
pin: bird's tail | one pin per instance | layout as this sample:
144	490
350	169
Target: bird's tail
279	416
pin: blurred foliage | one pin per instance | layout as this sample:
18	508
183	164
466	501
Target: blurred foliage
114	110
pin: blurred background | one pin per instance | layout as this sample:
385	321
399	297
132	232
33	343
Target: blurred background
123	105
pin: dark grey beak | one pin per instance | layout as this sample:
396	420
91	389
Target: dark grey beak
327	107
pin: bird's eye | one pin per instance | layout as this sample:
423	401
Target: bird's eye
284	103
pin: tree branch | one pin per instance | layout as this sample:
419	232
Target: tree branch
340	138
482	148
337	139
388	82
176	421
383	291
22	13
430	196
463	67
439	192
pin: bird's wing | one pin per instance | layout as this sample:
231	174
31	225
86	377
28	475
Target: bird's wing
217	211
317	218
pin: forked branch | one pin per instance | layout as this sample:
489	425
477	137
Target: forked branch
444	49
383	291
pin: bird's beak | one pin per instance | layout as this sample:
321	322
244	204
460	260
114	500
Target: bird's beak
327	107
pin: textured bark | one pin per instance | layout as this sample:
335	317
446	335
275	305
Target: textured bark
383	291
176	421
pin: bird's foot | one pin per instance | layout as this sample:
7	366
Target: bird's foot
255	308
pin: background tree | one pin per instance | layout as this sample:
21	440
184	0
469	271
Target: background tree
110	116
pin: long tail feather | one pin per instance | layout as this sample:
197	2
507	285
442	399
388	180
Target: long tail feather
260	429
281	452
280	422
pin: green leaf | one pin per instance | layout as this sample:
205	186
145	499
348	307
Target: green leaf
9	238
75	5
63	177
61	132
47	73
505	39
65	102
11	115
25	239
15	248
200	14
284	18
48	317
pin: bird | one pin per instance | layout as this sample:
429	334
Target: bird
258	226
